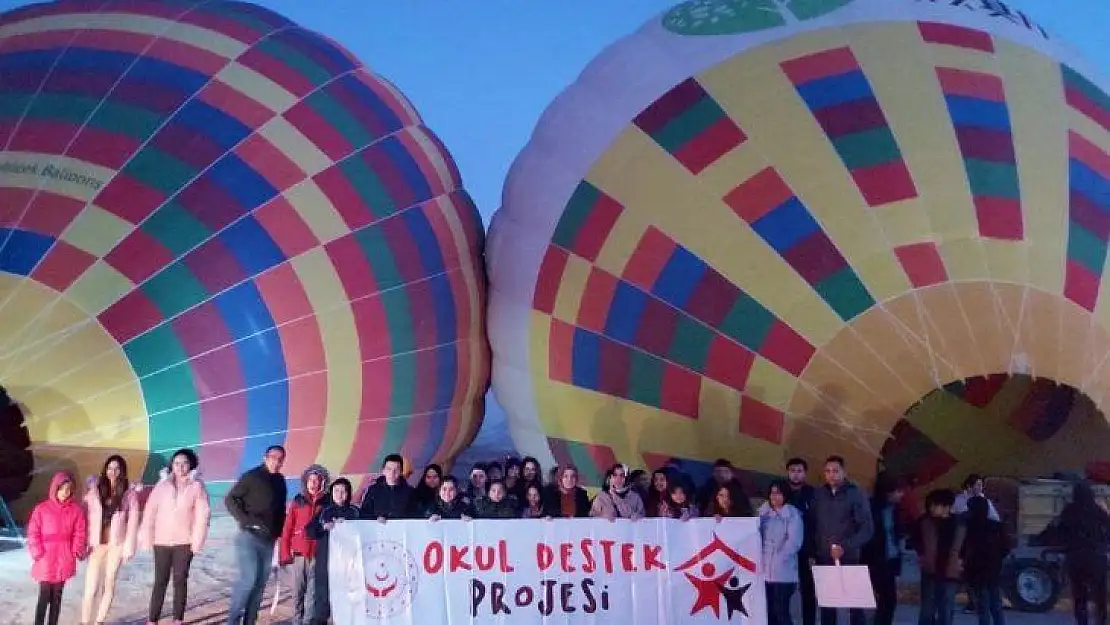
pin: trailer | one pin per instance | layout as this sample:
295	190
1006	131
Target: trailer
1033	575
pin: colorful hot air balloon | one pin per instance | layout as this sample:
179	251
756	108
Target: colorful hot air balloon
758	229
219	230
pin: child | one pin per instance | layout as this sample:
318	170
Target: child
56	539
297	550
938	538
337	510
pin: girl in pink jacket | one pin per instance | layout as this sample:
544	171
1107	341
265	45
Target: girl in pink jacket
113	519
175	524
56	541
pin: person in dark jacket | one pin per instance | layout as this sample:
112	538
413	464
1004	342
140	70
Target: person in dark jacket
296	549
337	509
449	504
257	502
725	475
1085	528
424	493
497	504
841	525
800	495
388	498
938	537
565	499
985	547
883	553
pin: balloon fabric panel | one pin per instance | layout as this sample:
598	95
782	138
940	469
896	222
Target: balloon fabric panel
793	231
255	226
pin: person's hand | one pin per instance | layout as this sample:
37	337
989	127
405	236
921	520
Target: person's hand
465	518
837	552
717	518
547	518
812	562
329	525
433	518
381	519
685	519
612	519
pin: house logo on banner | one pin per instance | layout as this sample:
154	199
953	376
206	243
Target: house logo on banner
391	578
715	573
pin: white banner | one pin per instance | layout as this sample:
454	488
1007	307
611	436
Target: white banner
651	572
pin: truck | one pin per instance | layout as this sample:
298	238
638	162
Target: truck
1033	575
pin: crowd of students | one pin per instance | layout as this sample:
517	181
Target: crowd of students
958	537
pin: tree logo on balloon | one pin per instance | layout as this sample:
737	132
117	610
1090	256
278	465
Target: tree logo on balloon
730	17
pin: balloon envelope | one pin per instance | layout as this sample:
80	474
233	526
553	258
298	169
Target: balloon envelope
219	230
760	229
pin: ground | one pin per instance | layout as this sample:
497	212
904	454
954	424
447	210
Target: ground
210	581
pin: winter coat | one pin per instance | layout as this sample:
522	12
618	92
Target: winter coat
304	507
176	516
315	530
455	510
939	543
553	504
257	502
782	533
985	547
507	508
609	505
123	530
841	518
382	500
56	534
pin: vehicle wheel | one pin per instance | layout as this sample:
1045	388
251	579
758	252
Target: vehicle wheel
1032	586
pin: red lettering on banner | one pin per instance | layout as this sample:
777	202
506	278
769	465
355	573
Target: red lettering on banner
433	557
651	558
564	557
607	545
545	557
628	550
590	565
457	559
503	551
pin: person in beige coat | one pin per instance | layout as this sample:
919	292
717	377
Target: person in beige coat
617	499
112	505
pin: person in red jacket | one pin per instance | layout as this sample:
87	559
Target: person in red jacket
296	551
56	539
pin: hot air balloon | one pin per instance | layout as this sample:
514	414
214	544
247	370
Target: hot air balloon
762	229
219	230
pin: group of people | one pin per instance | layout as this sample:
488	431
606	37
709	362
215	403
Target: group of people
958	537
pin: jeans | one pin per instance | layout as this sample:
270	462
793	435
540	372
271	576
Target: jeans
176	560
778	603
938	600
253	556
884	581
989	601
302	574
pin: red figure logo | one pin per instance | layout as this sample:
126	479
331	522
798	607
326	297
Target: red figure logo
714	582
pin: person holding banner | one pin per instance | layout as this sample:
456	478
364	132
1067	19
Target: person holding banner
533	504
388	497
296	549
425	492
565	499
336	509
683	506
617	499
449	505
497	504
842	525
780	526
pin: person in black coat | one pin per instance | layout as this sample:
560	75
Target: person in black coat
1084	527
800	495
336	509
985	547
388	498
565	499
257	502
883	553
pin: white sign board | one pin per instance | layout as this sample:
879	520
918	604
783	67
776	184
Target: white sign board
649	572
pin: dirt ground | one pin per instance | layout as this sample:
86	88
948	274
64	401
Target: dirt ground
212	575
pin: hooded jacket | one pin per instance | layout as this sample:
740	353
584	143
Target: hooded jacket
782	531
123	530
176	516
295	541
56	534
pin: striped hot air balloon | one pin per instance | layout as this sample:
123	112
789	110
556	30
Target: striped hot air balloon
756	229
220	230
